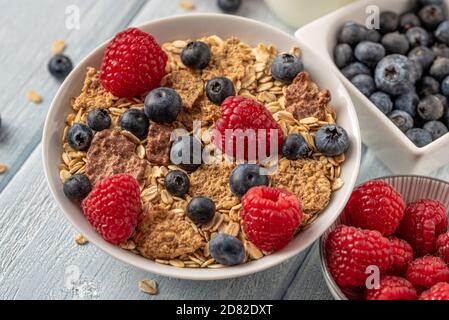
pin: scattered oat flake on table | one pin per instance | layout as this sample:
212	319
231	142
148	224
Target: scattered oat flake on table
148	286
3	168
80	240
33	96
187	5
58	47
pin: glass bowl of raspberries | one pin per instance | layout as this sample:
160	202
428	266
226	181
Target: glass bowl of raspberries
393	57
391	242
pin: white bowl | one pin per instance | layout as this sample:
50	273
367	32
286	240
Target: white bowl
378	133
194	26
412	188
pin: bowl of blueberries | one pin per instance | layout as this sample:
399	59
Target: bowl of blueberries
393	57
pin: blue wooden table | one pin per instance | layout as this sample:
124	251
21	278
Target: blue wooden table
38	256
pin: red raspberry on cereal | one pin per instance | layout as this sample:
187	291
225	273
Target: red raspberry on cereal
440	291
270	217
442	246
375	205
402	254
233	134
392	288
113	207
423	222
133	64
427	271
350	251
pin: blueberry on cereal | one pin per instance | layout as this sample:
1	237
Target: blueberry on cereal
227	250
332	140
285	67
98	119
136	122
295	147
60	66
186	152
246	176
218	89
163	105
79	137
177	183
77	187
196	55
201	210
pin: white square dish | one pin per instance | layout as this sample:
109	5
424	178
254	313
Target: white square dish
378	132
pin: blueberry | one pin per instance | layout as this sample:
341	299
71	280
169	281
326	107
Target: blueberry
402	120
227	250
98	119
196	55
427	86
440	68
424	3
382	101
395	43
201	210
423	55
419	137
352	33
163	105
442	32
441	50
77	187
394	74
218	89
177	183
407	102
136	122
369	53
417	36
389	22
187	153
430	108
246	176
229	5
79	137
355	69
343	55
431	16
437	129
295	147
365	84
409	20
60	66
285	67
332	140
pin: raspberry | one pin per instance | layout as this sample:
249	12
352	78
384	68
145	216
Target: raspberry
392	288
402	254
133	64
440	291
423	222
427	271
443	247
243	123
349	251
113	207
270	217
376	206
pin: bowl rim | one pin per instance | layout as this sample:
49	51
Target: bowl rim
185	273
338	15
335	290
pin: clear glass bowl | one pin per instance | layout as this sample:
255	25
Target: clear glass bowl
412	188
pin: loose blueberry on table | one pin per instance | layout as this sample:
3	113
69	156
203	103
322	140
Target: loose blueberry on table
409	63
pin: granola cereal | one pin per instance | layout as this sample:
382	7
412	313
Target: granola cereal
165	234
